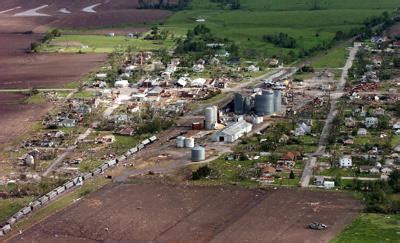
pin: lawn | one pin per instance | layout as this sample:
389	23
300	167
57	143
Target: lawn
101	44
229	172
9	207
310	25
372	228
333	58
124	143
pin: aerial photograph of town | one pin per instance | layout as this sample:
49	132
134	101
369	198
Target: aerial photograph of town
200	121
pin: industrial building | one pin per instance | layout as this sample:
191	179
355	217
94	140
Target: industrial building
232	132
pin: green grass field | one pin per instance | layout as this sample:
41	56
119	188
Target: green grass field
296	18
371	228
333	58
10	206
101	44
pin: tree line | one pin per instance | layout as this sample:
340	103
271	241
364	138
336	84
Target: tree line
163	4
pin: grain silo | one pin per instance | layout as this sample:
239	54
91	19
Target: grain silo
247	105
198	154
238	104
264	103
189	142
277	100
211	115
180	142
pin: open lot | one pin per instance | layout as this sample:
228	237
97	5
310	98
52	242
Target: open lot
170	213
81	14
12	109
46	70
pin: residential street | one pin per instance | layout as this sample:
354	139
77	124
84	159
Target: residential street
311	162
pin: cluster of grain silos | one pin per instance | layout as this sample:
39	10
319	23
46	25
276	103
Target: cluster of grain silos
198	154
211	117
242	104
266	103
182	142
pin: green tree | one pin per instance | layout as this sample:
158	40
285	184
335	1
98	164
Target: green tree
394	181
291	175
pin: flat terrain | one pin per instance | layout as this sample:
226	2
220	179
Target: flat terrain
171	213
311	23
81	14
12	109
370	228
46	70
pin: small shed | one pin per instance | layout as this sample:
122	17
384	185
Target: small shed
345	161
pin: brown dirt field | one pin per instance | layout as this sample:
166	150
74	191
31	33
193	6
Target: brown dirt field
16	117
46	70
175	213
108	14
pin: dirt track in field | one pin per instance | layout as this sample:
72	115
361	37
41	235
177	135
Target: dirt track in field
177	213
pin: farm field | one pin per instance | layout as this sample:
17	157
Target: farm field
14	108
159	212
371	228
311	25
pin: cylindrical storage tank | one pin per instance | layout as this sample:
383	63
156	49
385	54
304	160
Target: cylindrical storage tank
210	118
264	103
247	105
238	103
277	100
198	154
215	108
180	142
189	142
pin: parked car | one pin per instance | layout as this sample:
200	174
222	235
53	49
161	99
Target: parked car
317	226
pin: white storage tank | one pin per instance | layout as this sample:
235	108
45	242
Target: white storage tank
189	142
180	142
198	154
211	115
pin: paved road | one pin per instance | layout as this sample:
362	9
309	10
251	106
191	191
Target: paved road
311	162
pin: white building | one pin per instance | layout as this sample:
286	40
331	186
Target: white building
198	82
362	132
371	122
233	132
345	161
198	68
101	76
121	84
329	184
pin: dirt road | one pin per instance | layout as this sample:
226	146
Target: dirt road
307	172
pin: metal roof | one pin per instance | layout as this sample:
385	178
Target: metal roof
236	128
